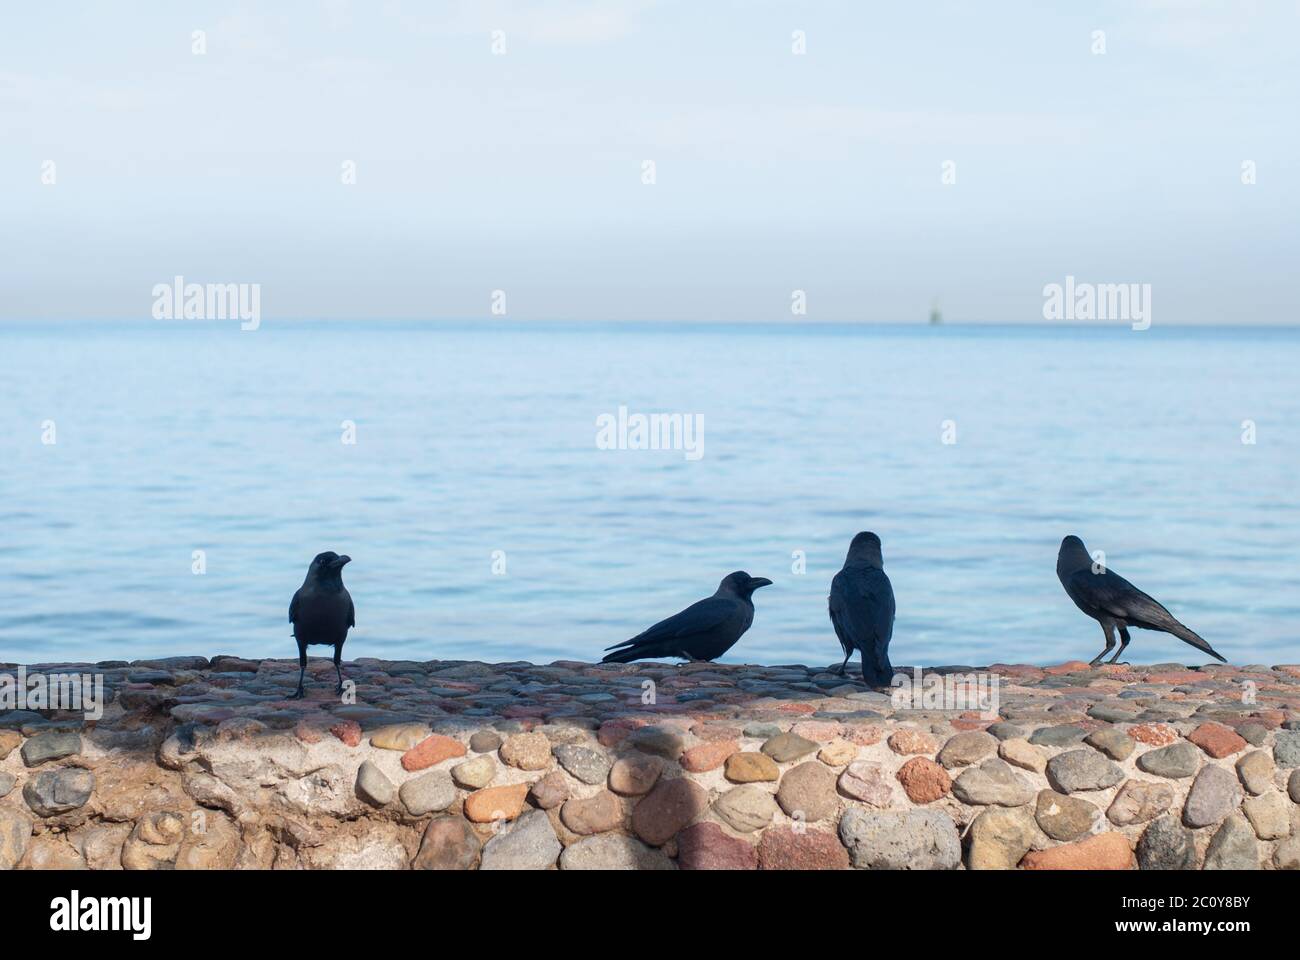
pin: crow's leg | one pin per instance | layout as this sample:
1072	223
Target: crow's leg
338	656
1108	627
845	665
302	670
1123	642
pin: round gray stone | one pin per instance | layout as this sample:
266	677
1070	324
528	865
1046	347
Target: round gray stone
1000	836
1269	814
1176	761
1287	854
659	742
475	774
1256	770
588	765
54	745
787	747
1062	736
612	851
429	792
992	782
1065	818
1112	741
58	791
1233	846
1215	793
1139	801
1006	731
1286	749
808	792
746	808
485	741
15	834
529	843
1077	770
966	748
1112	712
901	840
1253	733
373	786
1166	845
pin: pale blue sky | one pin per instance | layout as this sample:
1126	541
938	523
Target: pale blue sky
775	172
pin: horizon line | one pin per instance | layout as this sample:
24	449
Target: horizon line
664	321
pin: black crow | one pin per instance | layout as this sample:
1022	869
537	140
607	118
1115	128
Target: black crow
321	612
1114	602
703	631
862	609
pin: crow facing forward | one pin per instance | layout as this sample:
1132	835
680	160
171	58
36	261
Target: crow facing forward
321	612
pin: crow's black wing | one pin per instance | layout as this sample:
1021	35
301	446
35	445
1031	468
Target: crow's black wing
293	606
1112	595
841	624
837	603
698	618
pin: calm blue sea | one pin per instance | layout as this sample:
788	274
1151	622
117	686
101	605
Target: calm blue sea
475	438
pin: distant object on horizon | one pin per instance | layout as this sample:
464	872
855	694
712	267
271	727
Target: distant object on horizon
321	612
861	606
703	631
1114	602
936	316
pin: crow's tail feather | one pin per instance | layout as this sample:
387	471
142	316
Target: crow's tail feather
1189	636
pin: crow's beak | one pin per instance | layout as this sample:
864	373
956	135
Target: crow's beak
342	561
756	582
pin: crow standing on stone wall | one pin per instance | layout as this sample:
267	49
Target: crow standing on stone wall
862	609
1114	602
321	612
703	631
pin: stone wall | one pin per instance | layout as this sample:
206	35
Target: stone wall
454	765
